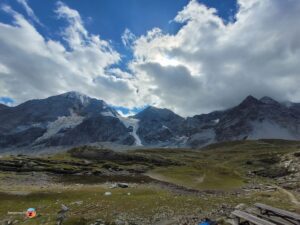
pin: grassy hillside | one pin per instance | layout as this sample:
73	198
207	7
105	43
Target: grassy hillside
223	166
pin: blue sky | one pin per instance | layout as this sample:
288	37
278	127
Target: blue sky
6	100
191	56
109	18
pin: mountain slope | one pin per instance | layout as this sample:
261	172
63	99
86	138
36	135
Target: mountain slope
73	119
67	119
158	126
255	119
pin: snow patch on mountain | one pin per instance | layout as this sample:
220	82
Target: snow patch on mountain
182	140
216	121
269	130
63	122
134	123
165	127
202	138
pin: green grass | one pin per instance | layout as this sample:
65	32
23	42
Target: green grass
205	178
143	202
221	167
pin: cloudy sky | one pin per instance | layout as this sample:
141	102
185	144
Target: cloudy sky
189	56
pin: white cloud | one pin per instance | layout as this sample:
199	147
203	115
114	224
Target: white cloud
210	65
4	69
128	38
206	65
75	34
29	11
35	67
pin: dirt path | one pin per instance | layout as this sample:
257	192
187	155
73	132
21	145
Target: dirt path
291	196
156	176
163	183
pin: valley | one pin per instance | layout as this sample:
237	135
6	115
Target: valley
160	186
136	112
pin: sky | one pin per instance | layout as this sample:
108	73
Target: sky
191	56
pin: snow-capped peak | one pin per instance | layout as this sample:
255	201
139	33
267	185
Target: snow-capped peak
84	99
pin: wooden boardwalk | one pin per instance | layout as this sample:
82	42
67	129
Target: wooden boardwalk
265	215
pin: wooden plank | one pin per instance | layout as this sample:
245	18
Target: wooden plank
279	212
274	219
251	218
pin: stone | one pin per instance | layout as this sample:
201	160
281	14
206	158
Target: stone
123	185
107	193
120	222
241	206
98	222
64	208
77	203
113	186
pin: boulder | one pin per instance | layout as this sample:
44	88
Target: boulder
107	193
241	206
123	185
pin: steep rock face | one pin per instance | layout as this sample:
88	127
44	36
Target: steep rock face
41	112
294	107
158	126
252	119
235	123
201	122
73	119
67	119
3	107
94	129
255	119
200	129
22	138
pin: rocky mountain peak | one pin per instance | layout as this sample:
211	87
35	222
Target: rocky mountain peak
2	106
73	118
249	101
74	95
156	113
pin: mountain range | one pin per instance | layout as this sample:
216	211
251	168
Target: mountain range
73	119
